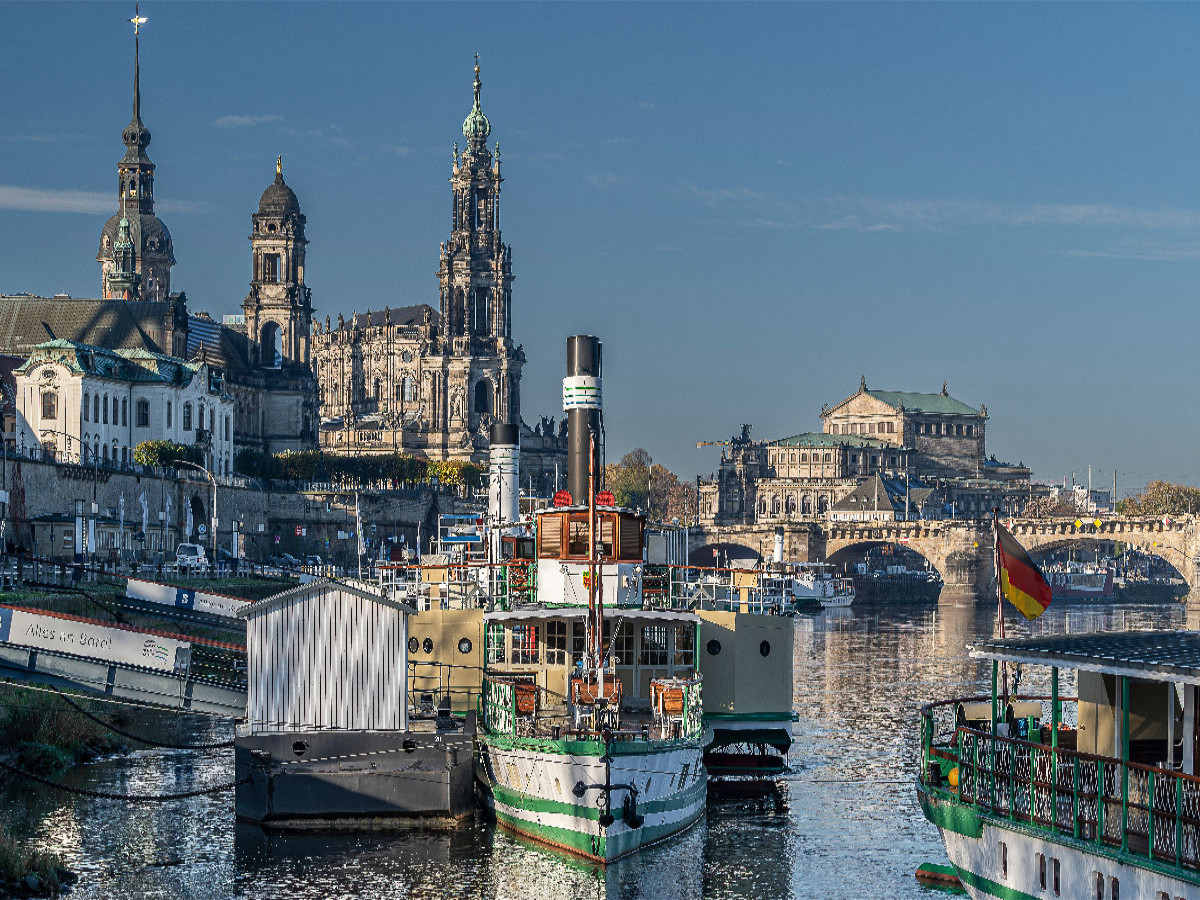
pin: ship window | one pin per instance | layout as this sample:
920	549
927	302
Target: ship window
550	537
578	641
556	642
685	646
493	641
1099	886
1041	871
765	648
608	524
577	537
1003	847
713	647
1057	878
623	649
631	538
654	646
524	645
1114	889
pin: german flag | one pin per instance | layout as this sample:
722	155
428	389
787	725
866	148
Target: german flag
1020	578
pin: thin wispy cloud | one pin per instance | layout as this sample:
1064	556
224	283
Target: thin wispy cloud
607	180
646	105
882	214
397	149
232	121
47	200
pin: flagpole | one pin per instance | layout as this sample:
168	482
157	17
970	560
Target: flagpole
999	602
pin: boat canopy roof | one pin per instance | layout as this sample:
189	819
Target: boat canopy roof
578	612
1151	655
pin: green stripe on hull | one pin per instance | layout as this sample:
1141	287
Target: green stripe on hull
601	848
992	888
533	804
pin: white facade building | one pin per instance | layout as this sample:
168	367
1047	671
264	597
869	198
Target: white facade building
78	401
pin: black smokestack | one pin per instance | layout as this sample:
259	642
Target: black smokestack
581	400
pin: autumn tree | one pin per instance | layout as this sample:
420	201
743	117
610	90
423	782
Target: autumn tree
1162	498
639	482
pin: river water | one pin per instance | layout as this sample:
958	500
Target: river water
845	823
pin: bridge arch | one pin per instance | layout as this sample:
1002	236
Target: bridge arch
848	555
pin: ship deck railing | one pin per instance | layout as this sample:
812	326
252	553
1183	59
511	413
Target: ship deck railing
1142	813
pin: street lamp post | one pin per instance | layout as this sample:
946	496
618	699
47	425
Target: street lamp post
213	481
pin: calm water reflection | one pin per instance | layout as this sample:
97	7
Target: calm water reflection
845	825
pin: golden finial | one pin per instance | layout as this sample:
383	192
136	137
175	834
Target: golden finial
279	166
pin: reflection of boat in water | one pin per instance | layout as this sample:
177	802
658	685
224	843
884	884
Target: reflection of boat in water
1029	807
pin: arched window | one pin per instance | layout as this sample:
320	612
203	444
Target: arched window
95	448
229	434
187	417
142	413
762	506
124	410
806	505
104	409
170	411
822	505
775	506
116	411
106	452
483	396
96	408
269	343
87	402
377	395
791	506
482	311
827	458
408	391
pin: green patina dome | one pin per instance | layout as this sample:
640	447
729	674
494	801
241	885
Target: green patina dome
476	126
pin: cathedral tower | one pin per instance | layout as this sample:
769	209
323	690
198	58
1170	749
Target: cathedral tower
148	238
475	277
476	266
279	306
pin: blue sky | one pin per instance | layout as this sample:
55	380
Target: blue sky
751	204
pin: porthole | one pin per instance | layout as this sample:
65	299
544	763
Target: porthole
714	647
413	645
464	646
765	648
300	747
427	646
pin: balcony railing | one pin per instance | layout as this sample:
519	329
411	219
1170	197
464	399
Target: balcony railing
1144	813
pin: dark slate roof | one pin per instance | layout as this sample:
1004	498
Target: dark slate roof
278	200
404	315
1157	655
151	239
890	493
926	403
27	321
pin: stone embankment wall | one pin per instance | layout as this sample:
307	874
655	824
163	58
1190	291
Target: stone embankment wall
268	519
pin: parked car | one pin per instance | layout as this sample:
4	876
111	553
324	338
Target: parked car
190	556
313	560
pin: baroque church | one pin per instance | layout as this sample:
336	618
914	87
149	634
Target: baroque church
424	380
264	363
415	379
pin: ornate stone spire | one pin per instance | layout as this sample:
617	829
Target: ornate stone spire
136	135
476	127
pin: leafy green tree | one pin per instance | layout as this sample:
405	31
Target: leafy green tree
165	453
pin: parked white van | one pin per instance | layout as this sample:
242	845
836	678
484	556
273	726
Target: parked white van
190	556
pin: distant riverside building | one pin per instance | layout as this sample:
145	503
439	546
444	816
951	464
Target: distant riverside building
930	442
81	402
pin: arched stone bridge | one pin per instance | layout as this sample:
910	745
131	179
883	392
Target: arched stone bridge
960	549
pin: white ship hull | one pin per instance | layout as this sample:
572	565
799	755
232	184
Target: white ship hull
530	785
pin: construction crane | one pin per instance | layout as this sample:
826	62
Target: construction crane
700	444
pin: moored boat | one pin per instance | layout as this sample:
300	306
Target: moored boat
1096	795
